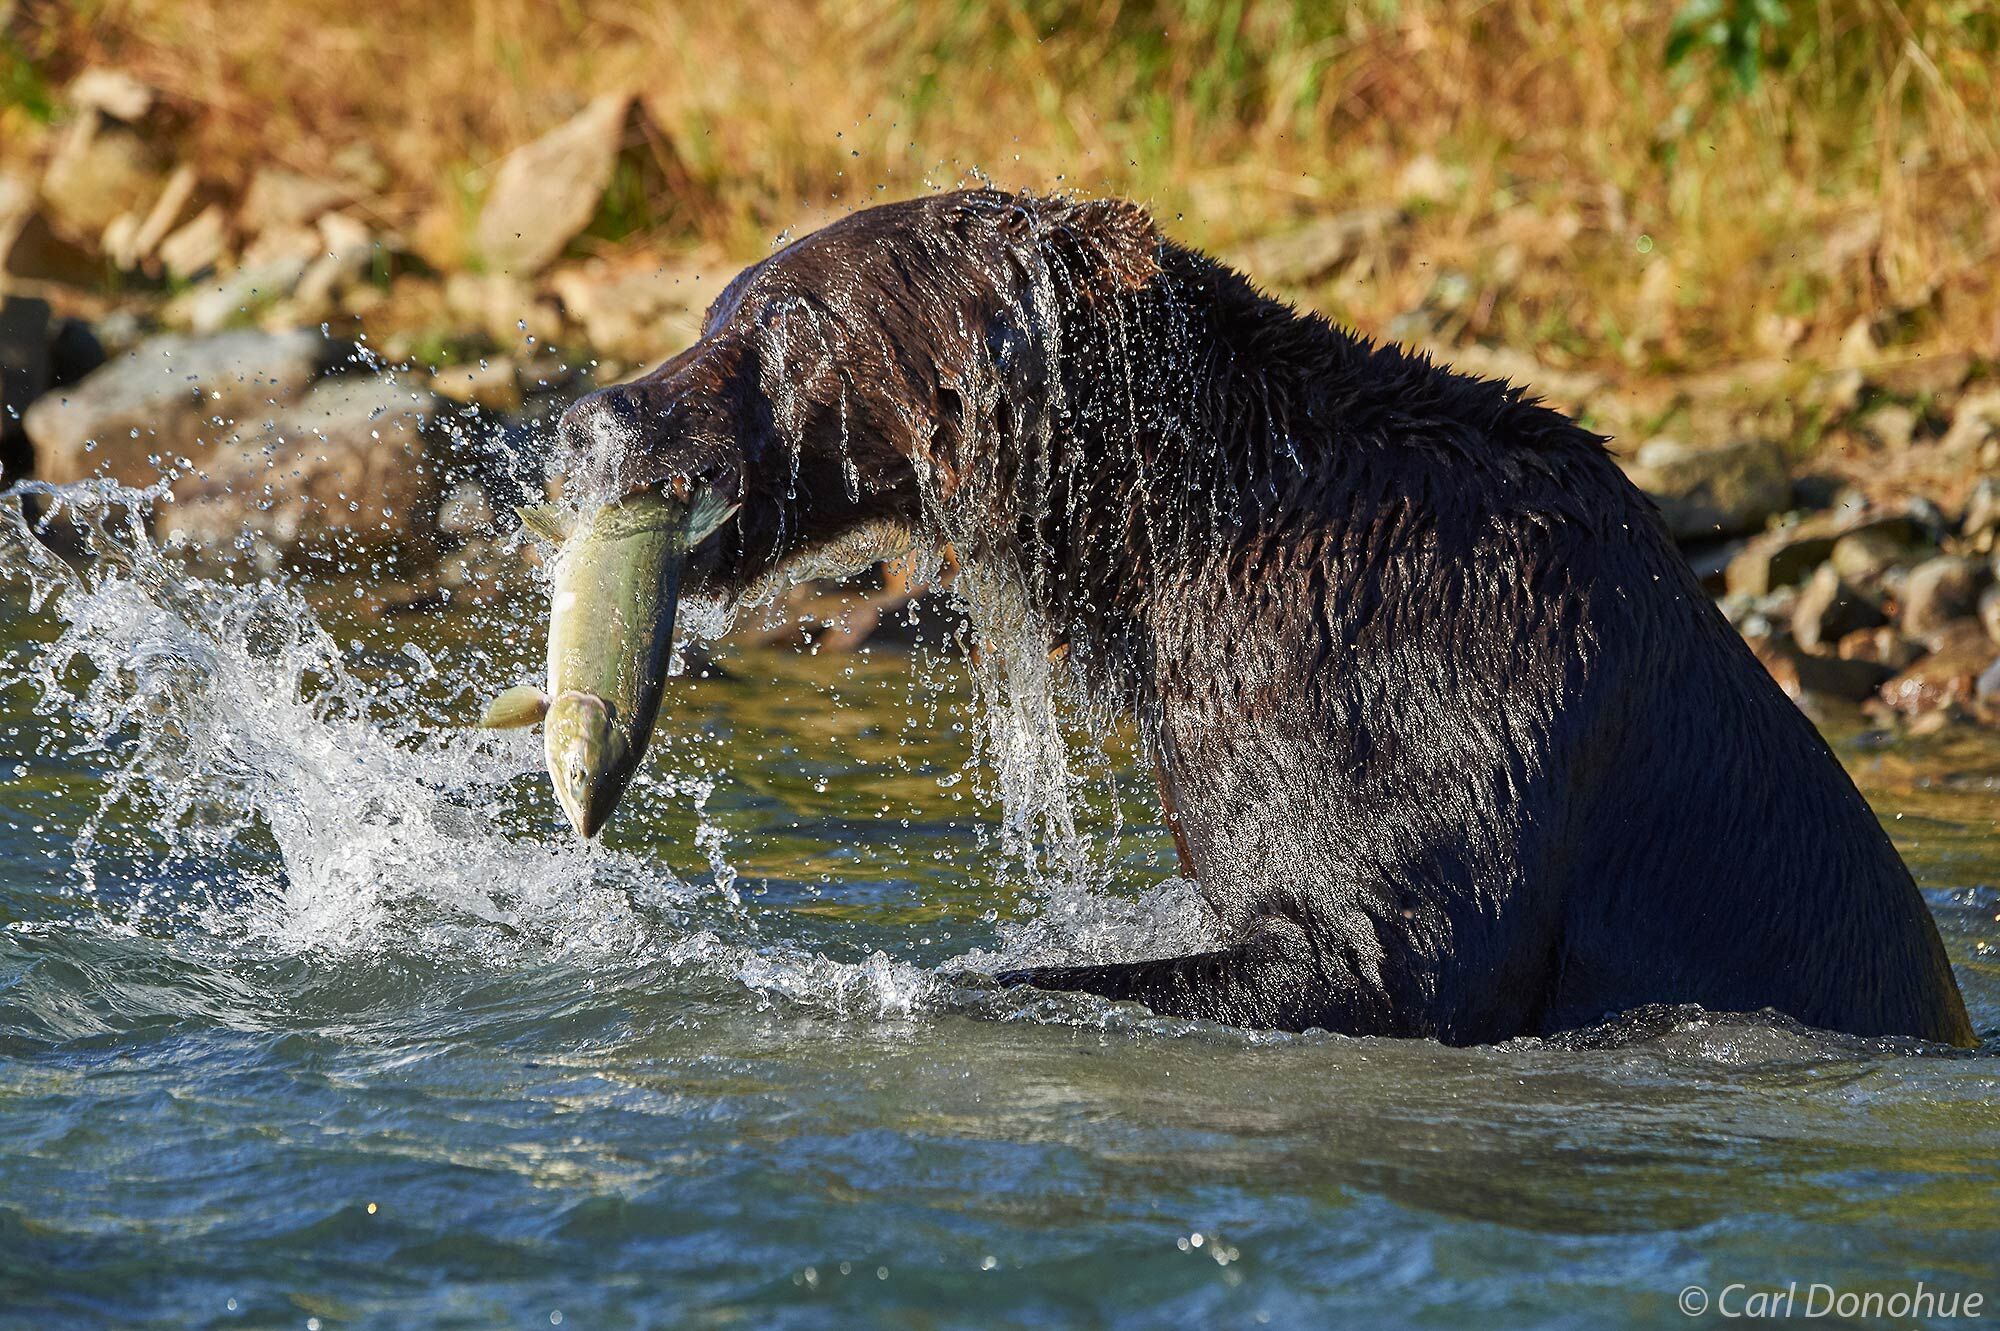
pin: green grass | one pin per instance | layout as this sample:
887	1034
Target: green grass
1739	137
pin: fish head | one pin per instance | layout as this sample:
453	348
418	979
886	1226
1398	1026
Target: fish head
590	759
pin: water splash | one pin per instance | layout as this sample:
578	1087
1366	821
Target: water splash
232	736
253	791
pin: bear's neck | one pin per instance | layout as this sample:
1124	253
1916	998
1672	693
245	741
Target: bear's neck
1179	413
1199	435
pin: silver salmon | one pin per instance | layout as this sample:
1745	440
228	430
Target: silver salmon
611	634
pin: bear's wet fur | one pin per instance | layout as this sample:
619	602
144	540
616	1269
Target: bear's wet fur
1445	727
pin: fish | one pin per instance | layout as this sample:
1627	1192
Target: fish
613	600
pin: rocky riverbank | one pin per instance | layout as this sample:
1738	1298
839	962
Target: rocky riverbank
318	381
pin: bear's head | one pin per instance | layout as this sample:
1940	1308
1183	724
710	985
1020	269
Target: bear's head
846	387
877	386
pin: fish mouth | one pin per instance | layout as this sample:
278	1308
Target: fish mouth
590	762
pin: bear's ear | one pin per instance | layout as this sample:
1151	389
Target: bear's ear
1116	237
971	211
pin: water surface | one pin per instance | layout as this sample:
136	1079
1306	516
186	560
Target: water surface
311	1014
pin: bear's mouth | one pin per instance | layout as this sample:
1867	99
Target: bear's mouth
627	589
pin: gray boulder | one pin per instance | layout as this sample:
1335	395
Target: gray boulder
1828	609
1709	492
1789	554
350	468
169	398
1866	555
1939	591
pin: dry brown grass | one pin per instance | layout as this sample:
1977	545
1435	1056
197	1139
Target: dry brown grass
1564	189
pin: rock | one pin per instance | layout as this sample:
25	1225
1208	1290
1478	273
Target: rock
1788	554
1858	348
1982	515
1836	394
103	172
1737	608
100	170
1801	674
1989	612
148	233
1932	723
1884	646
280	200
111	92
1813	491
1828	609
501	306
1760	616
493	383
197	245
1948	675
545	193
284	244
1317	248
25	371
345	253
1710	560
1863	556
1987	687
639	313
1938	592
75	348
29	245
17	205
1926	518
1709	492
1974	421
1782	559
162	399
1892	425
1923	375
346	469
237	296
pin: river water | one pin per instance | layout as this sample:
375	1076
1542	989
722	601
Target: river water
313	1015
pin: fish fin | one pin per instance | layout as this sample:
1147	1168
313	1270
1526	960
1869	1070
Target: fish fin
522	705
709	512
547	521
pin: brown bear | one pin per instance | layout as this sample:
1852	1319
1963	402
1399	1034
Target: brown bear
1444	726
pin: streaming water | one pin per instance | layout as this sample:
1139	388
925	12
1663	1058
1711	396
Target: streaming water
312	1014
